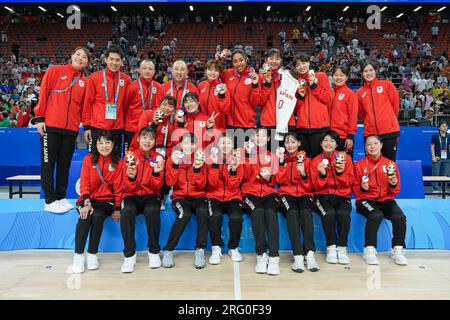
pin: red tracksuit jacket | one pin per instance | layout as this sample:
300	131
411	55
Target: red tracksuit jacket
244	99
333	183
187	182
344	112
290	181
211	101
92	186
268	101
379	188
223	184
61	111
252	166
133	101
147	182
313	110
94	111
169	89
379	104
196	123
161	129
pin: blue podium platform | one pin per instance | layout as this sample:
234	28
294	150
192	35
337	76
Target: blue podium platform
24	225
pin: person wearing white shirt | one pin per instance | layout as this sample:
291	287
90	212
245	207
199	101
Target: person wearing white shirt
420	83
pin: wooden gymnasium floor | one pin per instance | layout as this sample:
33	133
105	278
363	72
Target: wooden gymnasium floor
46	275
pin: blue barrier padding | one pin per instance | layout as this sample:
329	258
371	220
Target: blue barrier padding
24	225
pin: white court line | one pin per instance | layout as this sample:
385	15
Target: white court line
237	281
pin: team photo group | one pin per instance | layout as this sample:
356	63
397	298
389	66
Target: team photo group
244	141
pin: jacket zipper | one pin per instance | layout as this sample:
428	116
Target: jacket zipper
140	181
68	105
207	101
373	109
379	187
187	183
309	109
235	103
292	180
224	186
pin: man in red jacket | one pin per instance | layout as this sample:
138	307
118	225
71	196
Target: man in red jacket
143	94
179	85
58	116
104	103
314	101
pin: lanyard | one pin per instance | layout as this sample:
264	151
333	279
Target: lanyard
182	96
373	169
70	86
142	94
443	146
103	180
166	134
106	88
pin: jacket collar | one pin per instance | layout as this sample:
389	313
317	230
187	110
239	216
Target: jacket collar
372	83
145	82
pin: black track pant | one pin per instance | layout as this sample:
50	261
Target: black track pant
310	143
56	150
375	211
341	147
93	226
334	209
263	212
132	207
184	209
117	135
216	210
298	213
127	139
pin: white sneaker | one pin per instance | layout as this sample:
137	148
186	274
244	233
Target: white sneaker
235	255
273	267
128	264
216	253
65	203
311	263
92	262
342	255
299	264
154	260
398	255
331	254
55	207
261	263
78	263
370	255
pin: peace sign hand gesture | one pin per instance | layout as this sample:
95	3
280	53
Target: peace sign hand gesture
212	120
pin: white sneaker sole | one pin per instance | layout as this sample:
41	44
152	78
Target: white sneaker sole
93	267
214	262
235	259
127	270
331	261
76	270
371	263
